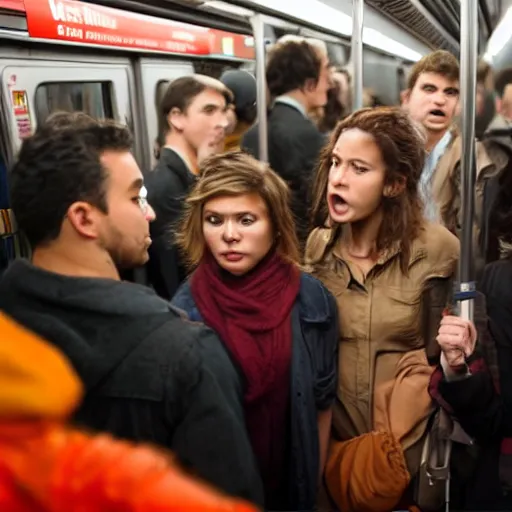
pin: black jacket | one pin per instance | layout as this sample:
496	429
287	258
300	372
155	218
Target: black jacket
168	184
484	413
294	146
149	375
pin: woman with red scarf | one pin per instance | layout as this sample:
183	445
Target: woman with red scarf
279	325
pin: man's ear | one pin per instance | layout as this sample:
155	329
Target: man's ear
176	119
85	219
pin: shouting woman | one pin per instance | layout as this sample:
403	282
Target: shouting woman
390	272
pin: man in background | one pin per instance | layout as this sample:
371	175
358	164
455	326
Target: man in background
242	112
298	78
193	118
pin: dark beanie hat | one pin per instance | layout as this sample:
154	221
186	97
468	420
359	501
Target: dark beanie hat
243	86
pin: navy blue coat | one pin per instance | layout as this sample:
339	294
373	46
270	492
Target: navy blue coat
314	372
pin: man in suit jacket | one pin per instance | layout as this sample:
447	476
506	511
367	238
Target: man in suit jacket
298	78
193	117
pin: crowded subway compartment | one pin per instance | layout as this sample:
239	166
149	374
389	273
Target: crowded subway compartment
125	88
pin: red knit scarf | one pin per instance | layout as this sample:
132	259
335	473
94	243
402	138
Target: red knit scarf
252	316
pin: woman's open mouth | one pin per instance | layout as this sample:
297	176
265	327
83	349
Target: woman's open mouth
338	205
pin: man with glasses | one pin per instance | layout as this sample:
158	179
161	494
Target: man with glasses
149	375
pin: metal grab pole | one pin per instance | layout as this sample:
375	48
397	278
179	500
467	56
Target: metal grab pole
468	66
258	28
357	53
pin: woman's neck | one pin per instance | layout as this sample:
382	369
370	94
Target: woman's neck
360	238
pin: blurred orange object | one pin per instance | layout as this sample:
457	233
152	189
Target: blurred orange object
46	466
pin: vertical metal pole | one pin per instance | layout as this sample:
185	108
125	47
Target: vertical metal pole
468	66
357	53
258	29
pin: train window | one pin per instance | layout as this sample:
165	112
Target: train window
213	68
93	98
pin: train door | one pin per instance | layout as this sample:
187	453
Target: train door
36	88
33	88
153	77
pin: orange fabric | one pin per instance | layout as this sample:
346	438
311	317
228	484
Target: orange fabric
367	473
35	379
63	470
402	404
48	467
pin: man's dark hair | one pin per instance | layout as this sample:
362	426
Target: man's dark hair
290	65
181	92
58	166
503	78
62	120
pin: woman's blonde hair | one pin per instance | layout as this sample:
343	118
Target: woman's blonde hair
234	174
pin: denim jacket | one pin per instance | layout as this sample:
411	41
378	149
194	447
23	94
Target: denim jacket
314	373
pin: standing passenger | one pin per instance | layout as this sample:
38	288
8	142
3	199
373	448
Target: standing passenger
388	268
474	378
243	111
431	99
298	79
148	374
193	117
498	143
278	324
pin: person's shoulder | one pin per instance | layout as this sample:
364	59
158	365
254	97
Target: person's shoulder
168	170
176	343
182	338
316	244
440	246
310	285
183	298
496	278
317	304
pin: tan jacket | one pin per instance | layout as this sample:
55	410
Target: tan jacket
446	185
381	321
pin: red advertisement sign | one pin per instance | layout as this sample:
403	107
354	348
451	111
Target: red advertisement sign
232	45
70	20
20	103
12	5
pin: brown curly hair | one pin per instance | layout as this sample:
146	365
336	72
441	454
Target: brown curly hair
401	143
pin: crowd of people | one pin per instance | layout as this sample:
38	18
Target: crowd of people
295	347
